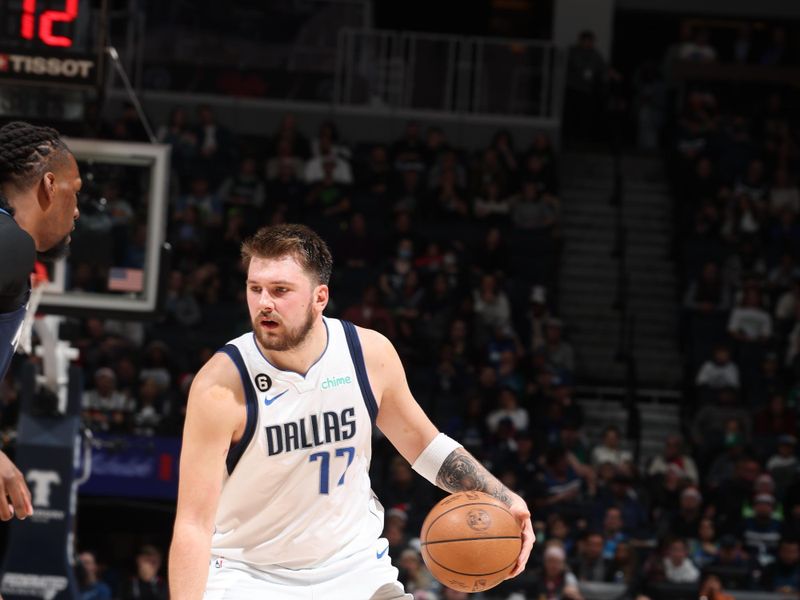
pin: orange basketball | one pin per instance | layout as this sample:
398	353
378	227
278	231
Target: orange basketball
470	541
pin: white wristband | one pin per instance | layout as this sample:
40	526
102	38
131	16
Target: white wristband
431	459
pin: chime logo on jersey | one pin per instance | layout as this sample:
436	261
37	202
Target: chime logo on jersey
311	431
334	382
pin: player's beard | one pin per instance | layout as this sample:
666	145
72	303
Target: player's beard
60	250
291	339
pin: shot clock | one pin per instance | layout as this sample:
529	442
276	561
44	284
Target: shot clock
42	25
47	42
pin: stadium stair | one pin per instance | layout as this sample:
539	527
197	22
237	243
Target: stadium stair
588	278
659	410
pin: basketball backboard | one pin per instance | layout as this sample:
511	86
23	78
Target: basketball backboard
117	248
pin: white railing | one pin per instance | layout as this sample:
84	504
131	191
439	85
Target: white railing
464	75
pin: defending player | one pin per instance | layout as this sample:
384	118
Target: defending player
39	184
274	484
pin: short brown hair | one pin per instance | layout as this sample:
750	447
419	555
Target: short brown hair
298	241
149	551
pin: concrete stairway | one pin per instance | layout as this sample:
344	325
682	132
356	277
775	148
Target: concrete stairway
659	411
588	283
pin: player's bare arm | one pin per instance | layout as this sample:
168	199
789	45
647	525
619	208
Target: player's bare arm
461	472
410	430
215	417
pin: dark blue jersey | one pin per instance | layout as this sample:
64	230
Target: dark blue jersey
17	258
10	325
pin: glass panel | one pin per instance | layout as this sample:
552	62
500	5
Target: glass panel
107	253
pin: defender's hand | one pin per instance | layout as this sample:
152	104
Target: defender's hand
15	498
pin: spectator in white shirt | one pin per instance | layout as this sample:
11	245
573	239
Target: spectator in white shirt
609	451
698	49
678	567
105	396
750	322
674	457
509	409
491	304
720	372
314	172
784	194
105	407
326	141
556	577
491	206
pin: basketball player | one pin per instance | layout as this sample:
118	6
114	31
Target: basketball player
39	183
274	484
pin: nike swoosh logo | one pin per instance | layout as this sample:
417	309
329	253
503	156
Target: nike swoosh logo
268	401
379	555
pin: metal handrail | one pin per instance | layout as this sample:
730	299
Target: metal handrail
463	74
626	352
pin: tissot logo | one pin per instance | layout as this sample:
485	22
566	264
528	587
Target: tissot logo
41	481
40	65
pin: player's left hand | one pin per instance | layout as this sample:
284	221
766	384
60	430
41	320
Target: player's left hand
520	510
15	498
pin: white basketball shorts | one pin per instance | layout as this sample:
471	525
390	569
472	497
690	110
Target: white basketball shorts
367	575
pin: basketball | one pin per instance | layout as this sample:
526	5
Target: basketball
470	541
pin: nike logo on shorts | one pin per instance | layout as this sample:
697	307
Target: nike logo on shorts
380	554
268	401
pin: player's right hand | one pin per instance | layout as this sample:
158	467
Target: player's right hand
520	510
15	498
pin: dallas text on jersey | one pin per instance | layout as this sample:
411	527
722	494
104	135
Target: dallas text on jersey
311	431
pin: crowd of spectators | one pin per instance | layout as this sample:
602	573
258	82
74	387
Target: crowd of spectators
454	256
733	162
426	240
742	43
144	583
450	253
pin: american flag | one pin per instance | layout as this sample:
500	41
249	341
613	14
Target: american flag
125	280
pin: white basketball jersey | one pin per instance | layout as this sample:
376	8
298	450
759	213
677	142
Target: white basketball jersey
297	492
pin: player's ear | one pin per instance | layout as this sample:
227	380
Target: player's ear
321	296
46	191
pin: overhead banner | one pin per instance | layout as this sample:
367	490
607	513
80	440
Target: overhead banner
38	564
134	467
38	561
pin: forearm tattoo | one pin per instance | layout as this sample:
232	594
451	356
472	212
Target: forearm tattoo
461	472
